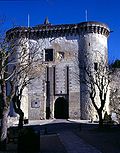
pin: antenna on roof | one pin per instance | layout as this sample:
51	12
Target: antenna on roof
28	20
86	15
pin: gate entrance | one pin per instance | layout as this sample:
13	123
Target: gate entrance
61	108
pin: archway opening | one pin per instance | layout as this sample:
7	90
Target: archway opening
61	108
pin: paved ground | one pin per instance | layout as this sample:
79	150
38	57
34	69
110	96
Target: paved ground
71	142
75	144
51	144
63	140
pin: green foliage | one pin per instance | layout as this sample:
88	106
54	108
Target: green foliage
116	64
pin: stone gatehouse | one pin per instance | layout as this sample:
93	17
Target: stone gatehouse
57	91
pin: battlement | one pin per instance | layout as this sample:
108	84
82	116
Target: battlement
57	90
49	30
94	27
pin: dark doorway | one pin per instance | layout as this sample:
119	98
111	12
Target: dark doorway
61	108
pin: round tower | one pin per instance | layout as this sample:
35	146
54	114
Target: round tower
86	39
92	50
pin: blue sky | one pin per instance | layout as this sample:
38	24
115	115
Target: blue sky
65	11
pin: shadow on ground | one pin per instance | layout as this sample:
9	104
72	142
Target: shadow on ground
106	140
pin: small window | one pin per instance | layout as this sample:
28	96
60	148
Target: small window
35	103
60	55
48	55
95	66
89	44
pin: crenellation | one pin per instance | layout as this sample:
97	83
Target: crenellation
60	30
57	83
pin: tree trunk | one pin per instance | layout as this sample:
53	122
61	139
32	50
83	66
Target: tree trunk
100	119
4	126
4	123
16	105
21	119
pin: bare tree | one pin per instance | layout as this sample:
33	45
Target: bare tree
22	80
5	98
17	57
96	78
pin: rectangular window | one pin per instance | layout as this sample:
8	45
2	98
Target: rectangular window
95	66
48	55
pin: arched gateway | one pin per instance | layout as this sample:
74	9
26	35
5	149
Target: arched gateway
61	108
60	51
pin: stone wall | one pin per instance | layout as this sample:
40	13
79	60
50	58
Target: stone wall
74	49
63	84
60	77
36	95
92	49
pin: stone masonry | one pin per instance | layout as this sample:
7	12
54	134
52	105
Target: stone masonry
57	91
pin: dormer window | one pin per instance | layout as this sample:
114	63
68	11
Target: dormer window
48	55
